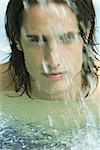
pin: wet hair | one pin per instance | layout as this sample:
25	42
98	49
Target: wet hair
85	15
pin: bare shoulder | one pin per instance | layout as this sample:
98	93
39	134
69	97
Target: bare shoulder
97	91
5	77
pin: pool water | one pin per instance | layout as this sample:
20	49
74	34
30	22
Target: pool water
35	136
47	125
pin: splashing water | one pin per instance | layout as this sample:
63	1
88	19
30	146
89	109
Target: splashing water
35	135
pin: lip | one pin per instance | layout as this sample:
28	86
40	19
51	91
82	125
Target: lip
54	76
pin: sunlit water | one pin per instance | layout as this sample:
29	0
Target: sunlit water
48	125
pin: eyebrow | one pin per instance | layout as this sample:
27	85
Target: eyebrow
31	35
62	34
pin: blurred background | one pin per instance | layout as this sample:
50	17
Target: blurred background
4	45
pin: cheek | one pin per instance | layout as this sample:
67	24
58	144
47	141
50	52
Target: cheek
33	59
73	55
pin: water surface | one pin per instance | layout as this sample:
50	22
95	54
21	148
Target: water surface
47	125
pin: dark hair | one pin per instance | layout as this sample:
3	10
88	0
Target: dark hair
85	14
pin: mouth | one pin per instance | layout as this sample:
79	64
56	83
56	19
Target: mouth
54	76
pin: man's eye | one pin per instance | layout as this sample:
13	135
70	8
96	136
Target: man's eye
68	38
37	39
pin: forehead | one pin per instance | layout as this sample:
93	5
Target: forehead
51	15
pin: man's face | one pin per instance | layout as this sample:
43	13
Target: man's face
52	46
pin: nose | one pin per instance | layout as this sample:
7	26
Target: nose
53	55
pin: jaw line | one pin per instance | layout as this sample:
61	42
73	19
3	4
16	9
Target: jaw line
54	91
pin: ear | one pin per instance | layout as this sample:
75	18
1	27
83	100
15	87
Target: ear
18	45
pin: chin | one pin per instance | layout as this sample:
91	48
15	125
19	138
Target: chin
55	91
